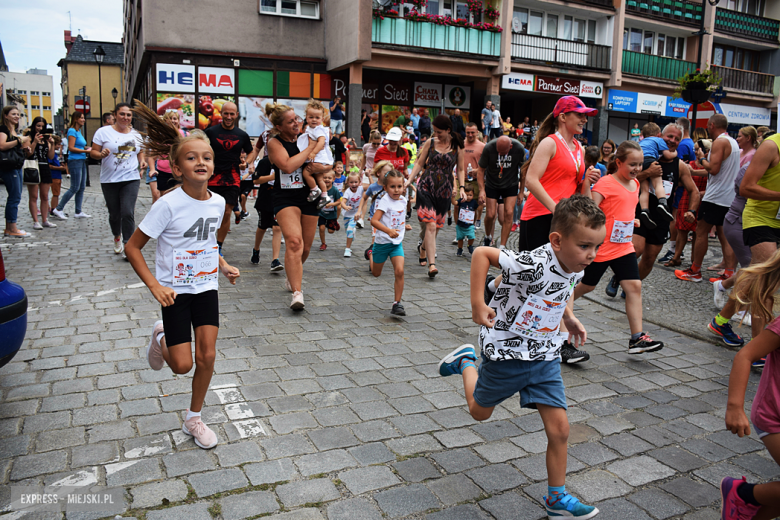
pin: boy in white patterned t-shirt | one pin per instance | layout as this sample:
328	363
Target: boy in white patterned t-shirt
520	315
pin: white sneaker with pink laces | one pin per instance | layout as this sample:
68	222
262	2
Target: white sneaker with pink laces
201	434
154	350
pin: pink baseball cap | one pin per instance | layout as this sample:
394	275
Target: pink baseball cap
572	104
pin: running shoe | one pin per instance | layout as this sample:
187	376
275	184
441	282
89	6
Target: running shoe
49	224
477	224
743	318
612	287
398	310
487	241
238	217
449	220
454	242
154	350
314	194
647	222
668	256
323	246
37	226
719	295
324	201
297	301
644	344
489	294
729	337
688	275
459	252
570	354
515	227
124	255
471	250
118	246
276	265
255	257
368	251
563	505
244	215
82	215
347	253
450	365
201	434
760	363
719	278
734	508
359	223
664	212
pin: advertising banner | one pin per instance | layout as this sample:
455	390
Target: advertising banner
457	96
744	115
591	89
518	81
175	78
212	80
427	94
622	101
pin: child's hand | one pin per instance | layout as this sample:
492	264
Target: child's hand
311	157
737	422
637	222
231	273
164	295
577	333
393	233
483	315
593	175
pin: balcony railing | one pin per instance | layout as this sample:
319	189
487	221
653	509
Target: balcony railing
745	80
560	52
429	36
656	67
747	25
671	10
602	3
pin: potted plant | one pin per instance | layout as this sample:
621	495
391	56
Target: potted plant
475	7
491	13
697	87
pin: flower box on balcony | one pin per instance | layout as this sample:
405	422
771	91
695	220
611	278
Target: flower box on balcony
453	38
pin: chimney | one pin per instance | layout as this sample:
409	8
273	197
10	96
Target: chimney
68	41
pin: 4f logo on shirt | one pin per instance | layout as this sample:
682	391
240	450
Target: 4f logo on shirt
200	229
227	144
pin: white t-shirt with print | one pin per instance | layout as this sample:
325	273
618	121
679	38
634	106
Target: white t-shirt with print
496	119
394	217
533	274
324	156
122	163
352	199
179	222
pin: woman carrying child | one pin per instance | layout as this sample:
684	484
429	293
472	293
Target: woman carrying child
320	158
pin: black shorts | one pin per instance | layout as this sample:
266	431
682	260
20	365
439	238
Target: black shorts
330	223
266	220
535	232
307	208
502	193
660	234
229	193
45	173
246	187
165	181
624	267
712	213
760	234
189	311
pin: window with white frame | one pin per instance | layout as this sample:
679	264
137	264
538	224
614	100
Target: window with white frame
755	7
550	25
296	8
47	93
451	8
649	42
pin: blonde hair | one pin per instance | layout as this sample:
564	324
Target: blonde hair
163	138
755	288
169	115
276	112
375	134
750	132
378	168
316	105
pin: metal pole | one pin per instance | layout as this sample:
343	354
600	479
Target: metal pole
100	90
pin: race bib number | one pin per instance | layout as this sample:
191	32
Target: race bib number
538	318
668	188
397	219
466	215
622	232
195	266
291	181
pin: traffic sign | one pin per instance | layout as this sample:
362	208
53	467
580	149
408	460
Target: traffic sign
81	105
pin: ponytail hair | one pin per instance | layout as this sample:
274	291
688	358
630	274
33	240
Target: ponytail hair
625	148
548	127
443	122
755	288
275	112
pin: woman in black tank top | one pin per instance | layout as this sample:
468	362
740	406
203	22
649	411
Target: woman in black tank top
296	216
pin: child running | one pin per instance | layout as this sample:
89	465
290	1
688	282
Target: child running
616	194
653	149
370	197
329	217
185	223
389	221
467	210
520	316
246	186
339	178
321	158
754	292
350	204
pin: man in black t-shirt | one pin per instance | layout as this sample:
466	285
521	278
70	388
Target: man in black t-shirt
227	141
499	182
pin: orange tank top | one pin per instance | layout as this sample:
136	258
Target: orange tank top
559	180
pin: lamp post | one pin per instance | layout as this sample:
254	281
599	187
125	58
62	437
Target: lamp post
114	94
99	54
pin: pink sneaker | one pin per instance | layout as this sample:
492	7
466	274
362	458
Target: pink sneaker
154	350
734	508
297	301
201	434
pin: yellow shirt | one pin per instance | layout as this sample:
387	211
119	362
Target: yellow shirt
765	212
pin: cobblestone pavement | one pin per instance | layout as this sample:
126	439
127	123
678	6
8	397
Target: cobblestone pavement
338	412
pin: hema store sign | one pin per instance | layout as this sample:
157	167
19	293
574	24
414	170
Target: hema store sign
181	78
551	85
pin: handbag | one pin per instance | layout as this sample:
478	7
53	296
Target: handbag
31	175
11	159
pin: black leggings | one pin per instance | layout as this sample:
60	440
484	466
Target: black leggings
120	201
535	232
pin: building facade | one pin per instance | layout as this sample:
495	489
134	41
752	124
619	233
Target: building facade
80	69
621	56
31	92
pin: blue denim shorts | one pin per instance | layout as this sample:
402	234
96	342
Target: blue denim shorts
381	252
539	382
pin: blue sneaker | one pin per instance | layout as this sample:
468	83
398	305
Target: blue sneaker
450	365
567	506
612	287
760	363
729	337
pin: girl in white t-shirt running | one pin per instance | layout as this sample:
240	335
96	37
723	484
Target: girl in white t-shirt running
389	220
350	204
184	222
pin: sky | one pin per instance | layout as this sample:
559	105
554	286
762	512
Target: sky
35	39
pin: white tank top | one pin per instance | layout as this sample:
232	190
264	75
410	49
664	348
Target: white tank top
720	187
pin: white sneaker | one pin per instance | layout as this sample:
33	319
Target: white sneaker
719	295
37	226
347	253
297	301
59	214
49	224
738	317
119	247
454	241
82	215
287	285
359	223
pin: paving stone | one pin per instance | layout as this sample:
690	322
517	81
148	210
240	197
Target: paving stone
714	474
532	442
46	422
372	453
529	423
330	438
678	459
325	462
535	467
592	453
133	472
707	450
406	500
496	478
286	446
250	504
14	446
695	494
33	465
457	460
62	402
463	512
152	495
213	482
764	467
703	514
609	425
657	436
147	446
641	419
457	438
361	480
198	511
597	485
300	514
270	472
93	454
239	453
603	408
416	469
626	444
641	470
183	463
620	509
454	489
633	402
307	492
414	424
659	504
336	416
413	444
734	443
511	506
354	509
496	452
158	423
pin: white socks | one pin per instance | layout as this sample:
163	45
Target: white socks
190	415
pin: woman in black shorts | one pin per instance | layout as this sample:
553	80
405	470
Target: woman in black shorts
296	216
43	151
